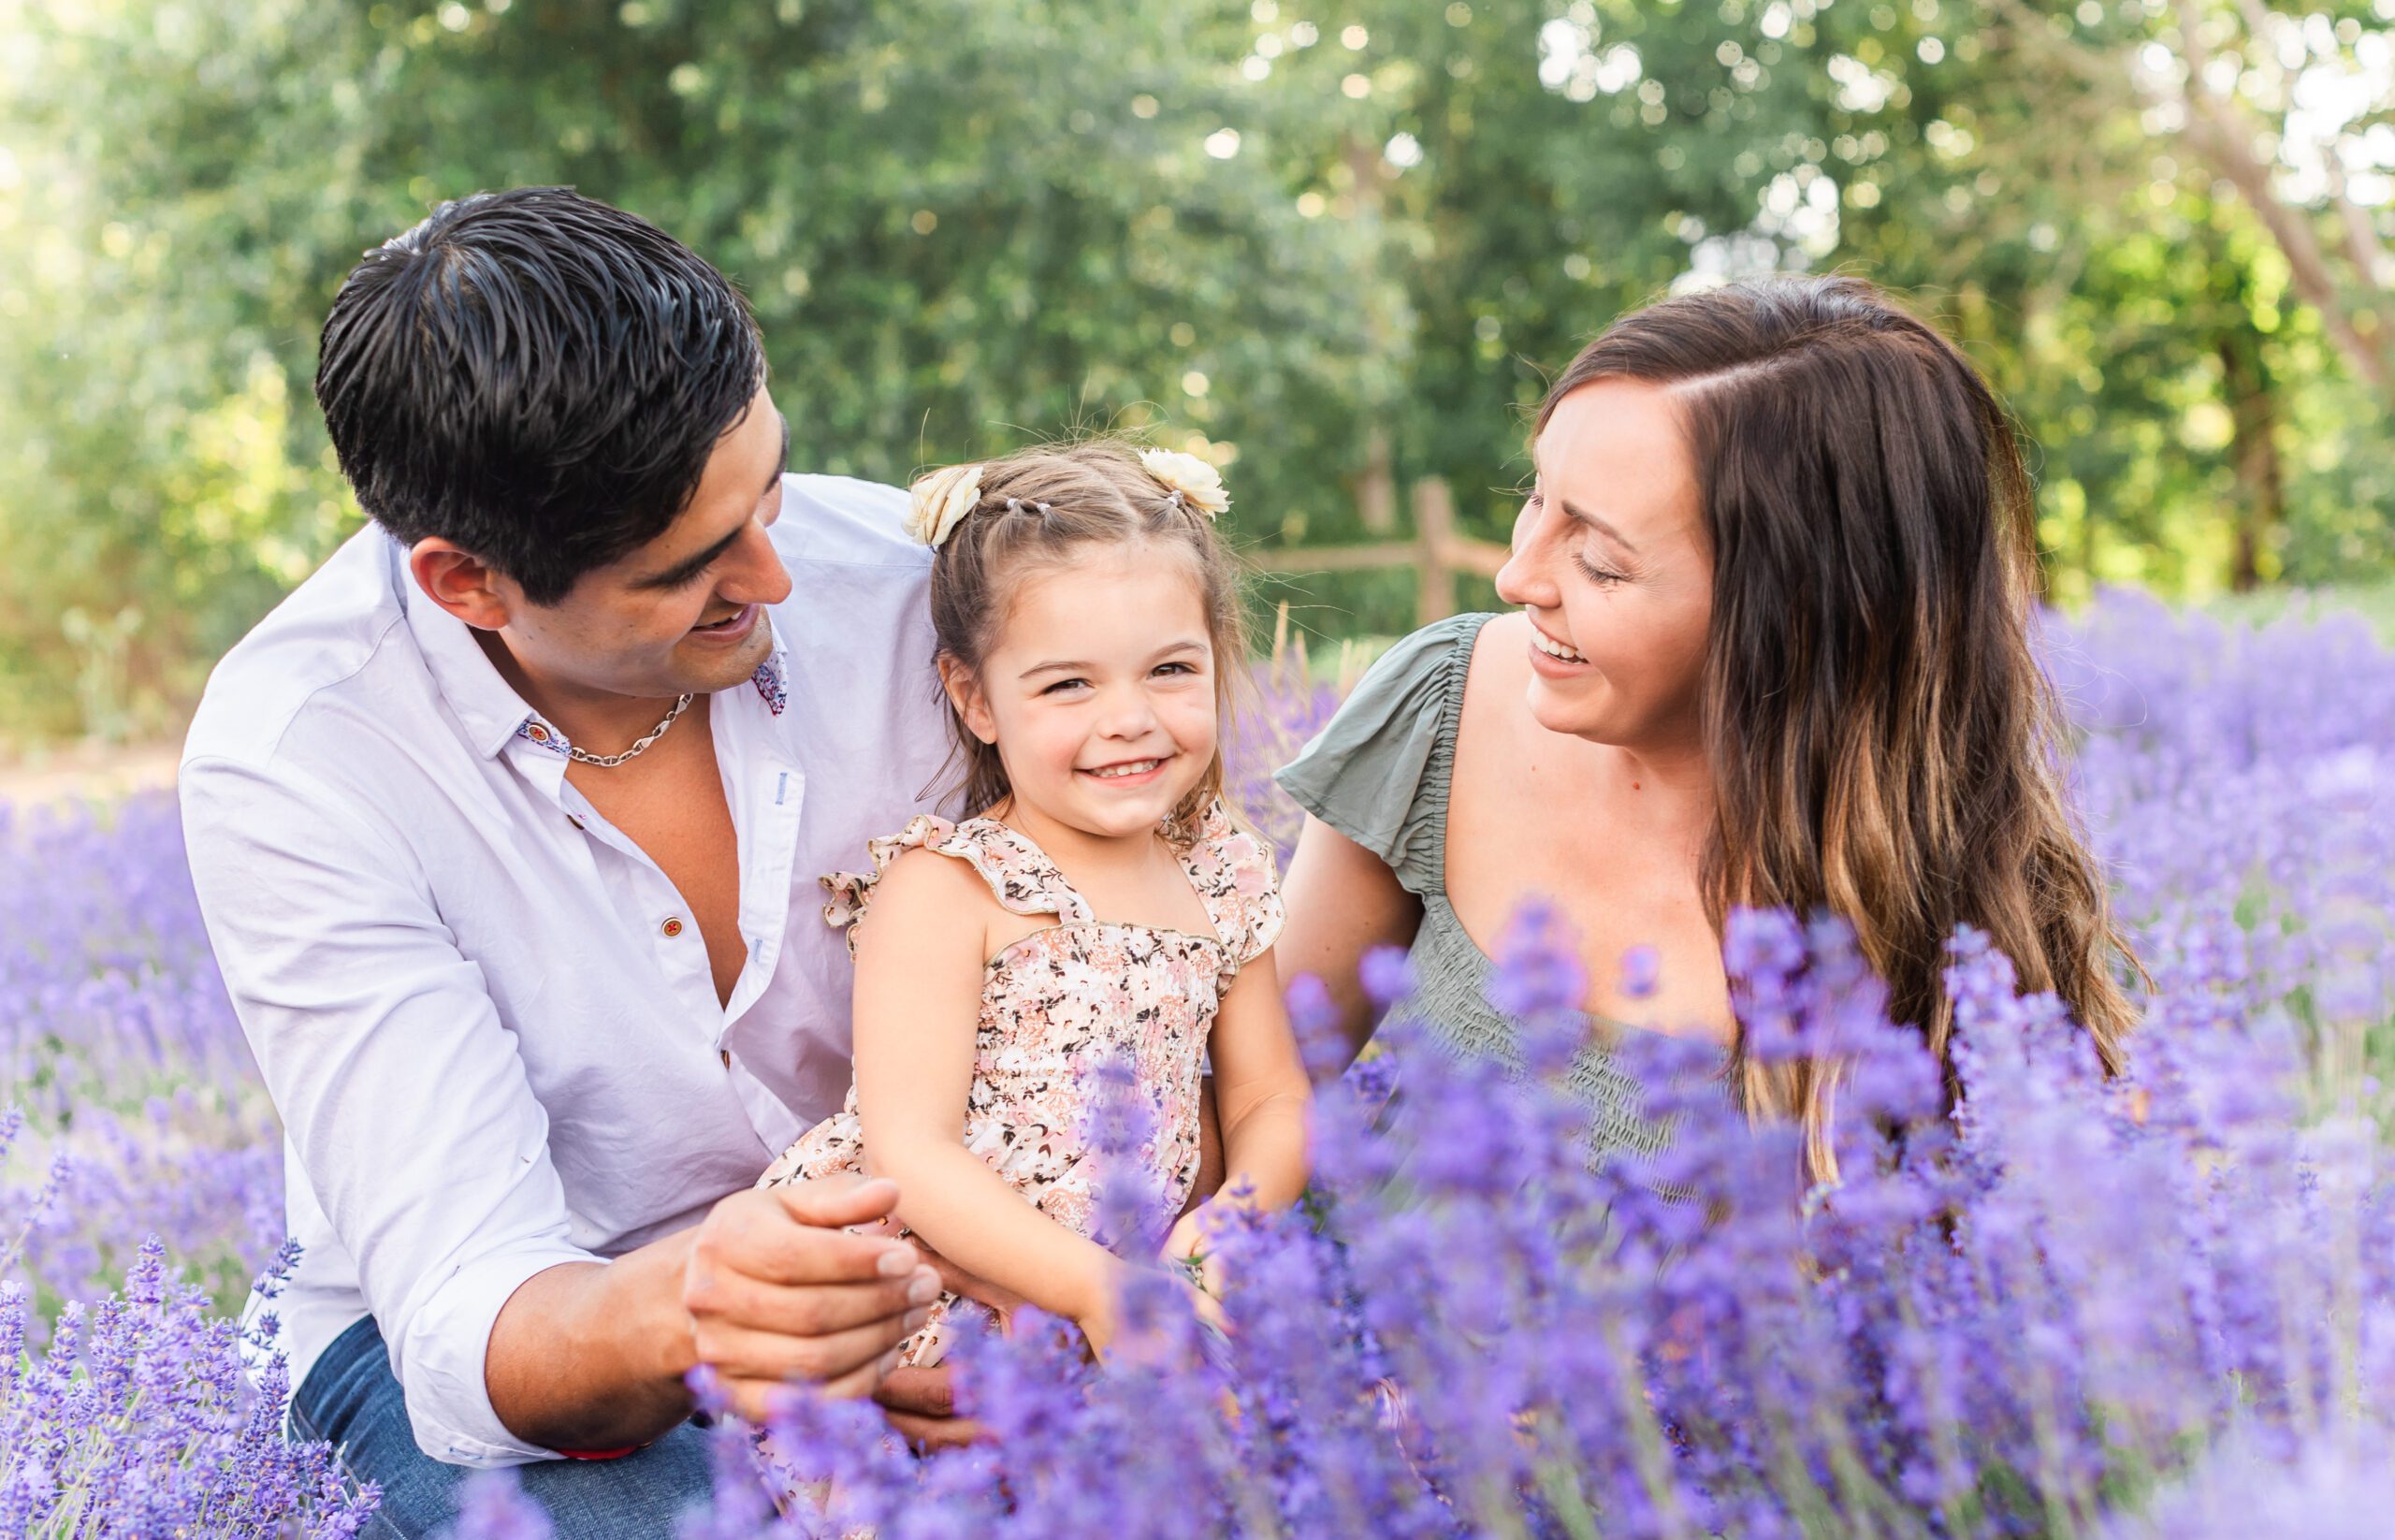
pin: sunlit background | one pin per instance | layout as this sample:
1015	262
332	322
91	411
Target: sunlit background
1333	247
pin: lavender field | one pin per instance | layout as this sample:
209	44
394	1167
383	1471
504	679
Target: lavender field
2159	1306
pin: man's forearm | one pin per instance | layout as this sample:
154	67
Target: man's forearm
592	1356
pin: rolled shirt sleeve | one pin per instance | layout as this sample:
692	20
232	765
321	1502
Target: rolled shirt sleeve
399	1088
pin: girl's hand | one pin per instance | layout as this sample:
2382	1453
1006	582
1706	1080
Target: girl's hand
1102	1322
1207	1304
1189	1253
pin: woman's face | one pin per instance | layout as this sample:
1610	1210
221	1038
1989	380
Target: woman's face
1612	565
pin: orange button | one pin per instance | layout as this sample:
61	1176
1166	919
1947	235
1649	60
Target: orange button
672	928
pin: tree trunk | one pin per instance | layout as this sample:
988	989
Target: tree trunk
2355	315
2254	455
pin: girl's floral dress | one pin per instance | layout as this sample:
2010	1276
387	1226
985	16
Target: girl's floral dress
1059	1004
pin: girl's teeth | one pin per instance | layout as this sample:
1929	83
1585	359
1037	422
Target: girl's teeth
1114	771
1555	650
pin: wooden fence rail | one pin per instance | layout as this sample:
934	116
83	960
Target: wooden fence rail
1437	553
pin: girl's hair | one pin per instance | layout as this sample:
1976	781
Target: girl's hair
1037	509
1884	743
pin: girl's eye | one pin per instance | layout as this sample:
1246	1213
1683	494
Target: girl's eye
1174	668
1063	684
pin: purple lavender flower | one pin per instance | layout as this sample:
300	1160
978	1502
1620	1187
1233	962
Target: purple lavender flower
138	1415
1388	976
1641	968
491	1506
2074	1298
1313	1019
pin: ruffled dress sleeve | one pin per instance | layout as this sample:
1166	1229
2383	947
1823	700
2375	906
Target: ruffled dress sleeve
1234	873
1378	772
1020	878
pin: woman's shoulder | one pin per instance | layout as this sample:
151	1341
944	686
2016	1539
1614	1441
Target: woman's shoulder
1428	651
1499	671
1377	771
1421	674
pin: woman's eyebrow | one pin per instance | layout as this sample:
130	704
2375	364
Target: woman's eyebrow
1572	510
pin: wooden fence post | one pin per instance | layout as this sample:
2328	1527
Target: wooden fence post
1377	489
1435	527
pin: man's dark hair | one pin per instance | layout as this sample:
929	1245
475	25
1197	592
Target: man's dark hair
536	376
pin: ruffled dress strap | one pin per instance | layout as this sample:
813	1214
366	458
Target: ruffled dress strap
1234	874
1020	875
1378	771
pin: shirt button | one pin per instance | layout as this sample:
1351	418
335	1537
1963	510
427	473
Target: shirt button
673	927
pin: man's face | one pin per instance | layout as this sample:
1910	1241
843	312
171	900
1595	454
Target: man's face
685	611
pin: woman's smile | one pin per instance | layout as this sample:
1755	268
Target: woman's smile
1548	655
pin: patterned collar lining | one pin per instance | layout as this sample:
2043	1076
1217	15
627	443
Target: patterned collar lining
771	680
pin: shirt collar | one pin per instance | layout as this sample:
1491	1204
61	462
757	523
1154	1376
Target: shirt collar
489	710
772	678
486	705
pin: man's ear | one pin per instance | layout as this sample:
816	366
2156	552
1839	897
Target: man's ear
964	694
463	584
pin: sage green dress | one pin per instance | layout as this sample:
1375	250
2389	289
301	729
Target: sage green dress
1379	772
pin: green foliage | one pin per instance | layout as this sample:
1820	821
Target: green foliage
1332	248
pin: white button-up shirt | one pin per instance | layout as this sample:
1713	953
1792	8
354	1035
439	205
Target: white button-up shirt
485	1017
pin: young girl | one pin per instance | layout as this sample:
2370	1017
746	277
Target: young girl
1101	904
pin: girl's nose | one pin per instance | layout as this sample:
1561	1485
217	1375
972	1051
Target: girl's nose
1127	714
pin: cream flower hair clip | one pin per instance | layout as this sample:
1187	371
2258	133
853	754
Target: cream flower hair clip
941	499
1195	481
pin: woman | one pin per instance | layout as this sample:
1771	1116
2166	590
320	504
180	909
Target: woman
1775	581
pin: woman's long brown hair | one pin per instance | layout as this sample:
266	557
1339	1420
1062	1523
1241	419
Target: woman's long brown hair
1884	743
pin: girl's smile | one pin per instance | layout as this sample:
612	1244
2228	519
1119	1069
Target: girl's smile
1129	773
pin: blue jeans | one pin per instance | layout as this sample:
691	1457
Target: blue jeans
352	1400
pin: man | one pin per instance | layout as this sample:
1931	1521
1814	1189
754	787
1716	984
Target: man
506	826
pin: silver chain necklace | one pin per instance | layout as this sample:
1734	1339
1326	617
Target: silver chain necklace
611	761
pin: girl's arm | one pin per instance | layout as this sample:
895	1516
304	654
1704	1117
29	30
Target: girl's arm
1260	1086
921	956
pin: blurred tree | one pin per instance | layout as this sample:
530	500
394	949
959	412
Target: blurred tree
1544	166
1337	244
962	225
